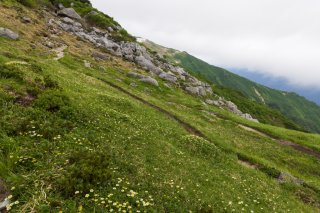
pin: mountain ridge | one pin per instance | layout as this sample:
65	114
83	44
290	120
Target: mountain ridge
295	107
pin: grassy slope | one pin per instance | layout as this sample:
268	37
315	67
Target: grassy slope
297	108
99	138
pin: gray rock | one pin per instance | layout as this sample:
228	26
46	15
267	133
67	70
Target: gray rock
249	117
26	20
110	29
4	204
168	77
92	13
233	108
6	33
100	56
68	20
133	84
60	6
49	44
202	91
147	65
135	75
69	12
113	47
288	178
212	102
97	31
87	64
192	90
149	80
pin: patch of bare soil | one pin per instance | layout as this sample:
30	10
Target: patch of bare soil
254	131
25	100
247	164
295	146
300	148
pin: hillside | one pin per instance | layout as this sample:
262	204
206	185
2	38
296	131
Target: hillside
301	111
89	125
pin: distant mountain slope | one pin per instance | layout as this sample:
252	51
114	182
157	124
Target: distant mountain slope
311	93
295	107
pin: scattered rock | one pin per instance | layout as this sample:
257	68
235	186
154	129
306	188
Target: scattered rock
232	107
168	77
288	178
60	6
192	90
26	20
149	80
92	13
98	31
68	20
110	29
49	44
87	64
69	12
135	75
60	52
100	56
147	65
6	33
133	84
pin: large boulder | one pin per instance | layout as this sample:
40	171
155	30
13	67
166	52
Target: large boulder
135	75
192	90
6	33
168	77
147	65
100	56
149	80
69	12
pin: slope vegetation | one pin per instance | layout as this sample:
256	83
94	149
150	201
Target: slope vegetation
78	135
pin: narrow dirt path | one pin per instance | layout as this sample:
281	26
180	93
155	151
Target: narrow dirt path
300	148
295	146
185	125
192	130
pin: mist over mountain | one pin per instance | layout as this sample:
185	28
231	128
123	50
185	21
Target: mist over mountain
311	93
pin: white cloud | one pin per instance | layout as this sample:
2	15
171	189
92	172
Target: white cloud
279	38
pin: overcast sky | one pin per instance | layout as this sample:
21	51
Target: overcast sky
275	37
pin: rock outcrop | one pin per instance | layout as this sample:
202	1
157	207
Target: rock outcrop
69	12
9	34
230	106
134	52
143	78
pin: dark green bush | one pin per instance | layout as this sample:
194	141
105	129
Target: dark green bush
28	3
272	172
50	83
101	20
85	170
10	72
53	101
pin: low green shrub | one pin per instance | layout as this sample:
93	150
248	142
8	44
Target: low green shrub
28	3
10	72
85	170
53	101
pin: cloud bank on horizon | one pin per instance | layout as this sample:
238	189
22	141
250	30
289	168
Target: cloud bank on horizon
277	38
